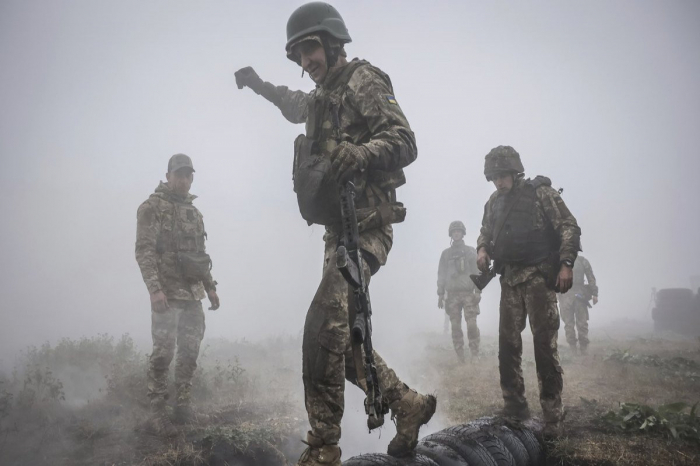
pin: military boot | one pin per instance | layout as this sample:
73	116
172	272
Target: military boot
318	453
159	422
184	414
584	350
410	413
574	350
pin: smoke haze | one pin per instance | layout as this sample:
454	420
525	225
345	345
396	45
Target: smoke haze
602	97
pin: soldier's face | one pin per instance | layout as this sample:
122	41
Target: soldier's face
503	182
180	181
457	235
313	59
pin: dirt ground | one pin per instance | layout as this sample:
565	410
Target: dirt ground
83	402
653	370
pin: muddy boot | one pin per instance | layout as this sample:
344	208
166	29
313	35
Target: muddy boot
410	412
159	422
517	413
318	453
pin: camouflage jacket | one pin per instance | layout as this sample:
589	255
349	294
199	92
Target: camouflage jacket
368	115
456	264
583	272
550	209
156	253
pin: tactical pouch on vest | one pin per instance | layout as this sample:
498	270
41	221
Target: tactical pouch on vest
376	217
317	192
194	266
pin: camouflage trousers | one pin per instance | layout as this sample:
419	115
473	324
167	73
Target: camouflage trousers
574	313
454	304
534	301
329	357
183	326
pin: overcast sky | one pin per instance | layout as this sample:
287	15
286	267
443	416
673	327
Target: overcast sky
601	96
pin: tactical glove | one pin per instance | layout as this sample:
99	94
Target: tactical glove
248	77
348	159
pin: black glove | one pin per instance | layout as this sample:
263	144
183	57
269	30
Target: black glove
248	77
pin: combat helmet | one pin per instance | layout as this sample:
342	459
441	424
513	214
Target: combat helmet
321	19
457	225
502	159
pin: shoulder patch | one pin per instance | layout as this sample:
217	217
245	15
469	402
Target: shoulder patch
391	99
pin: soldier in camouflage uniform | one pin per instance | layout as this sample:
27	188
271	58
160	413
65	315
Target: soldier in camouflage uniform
534	240
355	126
176	269
574	304
456	264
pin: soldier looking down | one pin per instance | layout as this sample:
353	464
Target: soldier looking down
533	239
355	130
456	264
574	304
172	257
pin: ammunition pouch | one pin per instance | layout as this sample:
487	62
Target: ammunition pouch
316	190
194	266
376	217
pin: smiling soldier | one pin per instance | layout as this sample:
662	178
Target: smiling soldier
355	130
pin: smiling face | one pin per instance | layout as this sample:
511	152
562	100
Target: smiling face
312	58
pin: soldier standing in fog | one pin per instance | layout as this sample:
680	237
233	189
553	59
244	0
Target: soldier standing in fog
574	304
533	239
172	257
456	264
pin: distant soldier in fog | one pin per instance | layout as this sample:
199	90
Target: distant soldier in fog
456	292
171	253
574	305
355	130
533	239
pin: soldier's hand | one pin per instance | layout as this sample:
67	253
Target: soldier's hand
214	300
159	302
248	77
483	261
441	302
565	278
348	159
595	300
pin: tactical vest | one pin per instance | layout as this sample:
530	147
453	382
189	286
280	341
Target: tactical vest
520	241
316	189
461	262
579	273
183	236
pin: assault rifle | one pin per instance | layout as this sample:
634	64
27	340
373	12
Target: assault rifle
349	262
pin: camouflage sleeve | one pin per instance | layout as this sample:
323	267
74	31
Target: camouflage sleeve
486	235
588	271
562	220
392	144
147	231
291	103
442	275
209	282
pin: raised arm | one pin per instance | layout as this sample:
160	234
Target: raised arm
292	104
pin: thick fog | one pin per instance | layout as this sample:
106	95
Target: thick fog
600	96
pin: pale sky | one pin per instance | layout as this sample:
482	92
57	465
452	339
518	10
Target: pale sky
601	96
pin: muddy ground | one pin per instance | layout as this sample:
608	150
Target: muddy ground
83	402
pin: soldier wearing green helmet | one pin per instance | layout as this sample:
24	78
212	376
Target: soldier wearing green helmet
355	130
456	292
534	240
